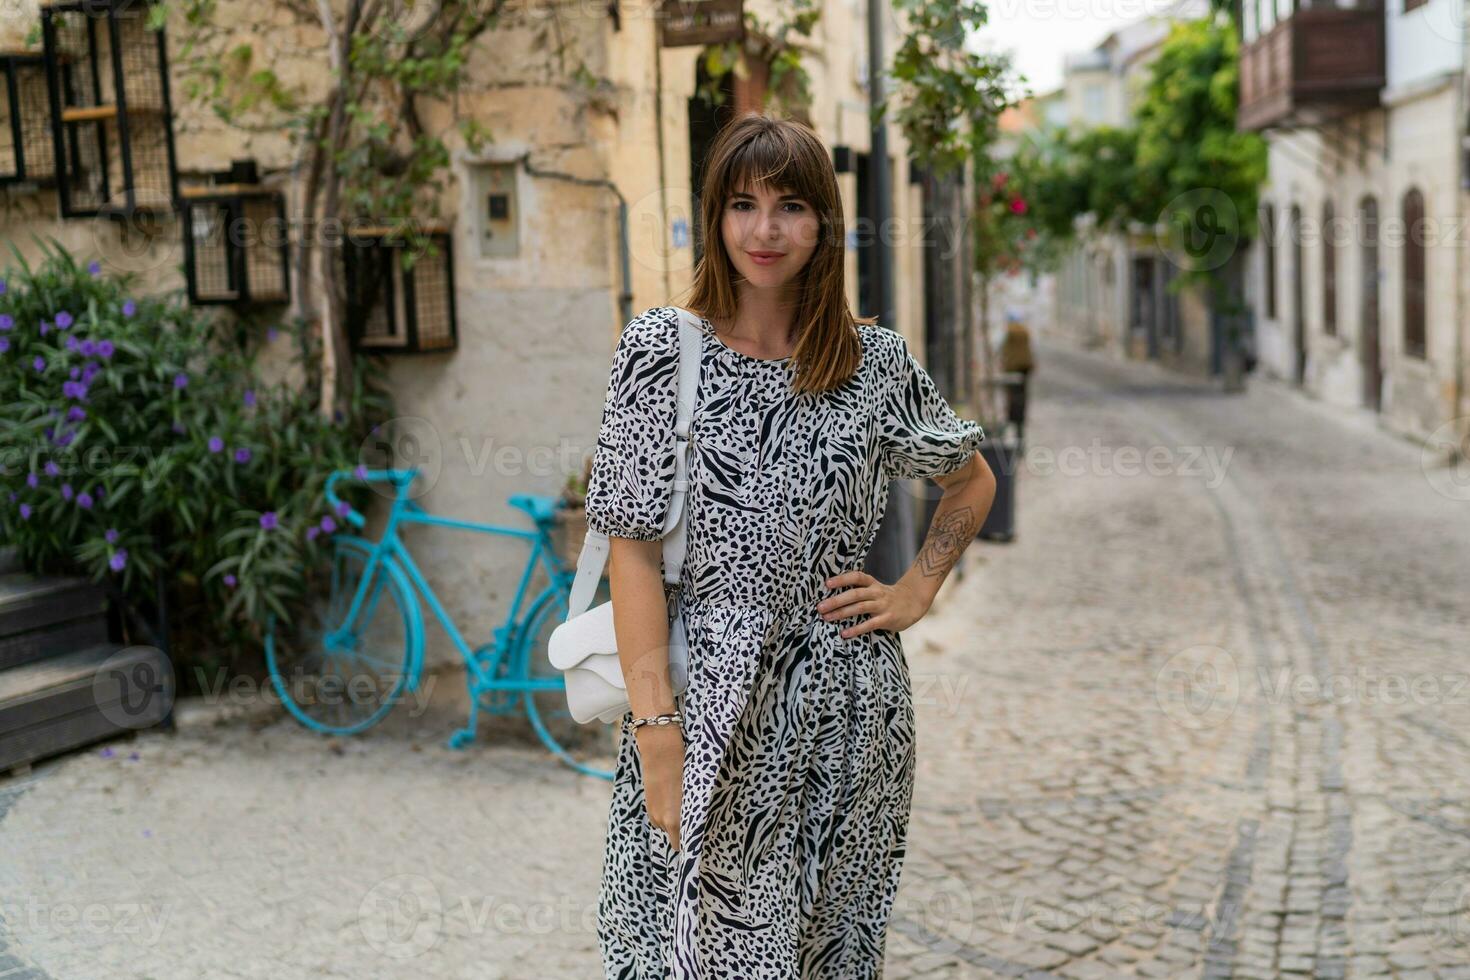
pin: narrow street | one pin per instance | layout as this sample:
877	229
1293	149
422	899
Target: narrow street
1208	716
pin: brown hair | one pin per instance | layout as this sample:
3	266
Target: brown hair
783	153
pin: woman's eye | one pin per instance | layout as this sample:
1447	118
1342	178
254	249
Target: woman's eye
797	205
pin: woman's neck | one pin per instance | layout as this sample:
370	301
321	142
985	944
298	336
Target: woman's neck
763	320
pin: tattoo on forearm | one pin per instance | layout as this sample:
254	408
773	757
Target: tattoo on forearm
946	540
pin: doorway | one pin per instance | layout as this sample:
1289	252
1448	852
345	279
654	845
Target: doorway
1368	317
1298	310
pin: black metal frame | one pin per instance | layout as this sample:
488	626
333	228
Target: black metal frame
11	62
240	258
373	272
66	92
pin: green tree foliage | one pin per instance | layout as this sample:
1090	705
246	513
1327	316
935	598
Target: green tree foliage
1182	155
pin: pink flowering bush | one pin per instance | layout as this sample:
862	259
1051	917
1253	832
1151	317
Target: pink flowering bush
138	446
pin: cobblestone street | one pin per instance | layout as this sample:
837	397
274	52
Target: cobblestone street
1208	716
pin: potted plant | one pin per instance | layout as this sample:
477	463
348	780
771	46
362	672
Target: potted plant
571	515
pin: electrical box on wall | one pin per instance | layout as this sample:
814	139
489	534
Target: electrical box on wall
497	209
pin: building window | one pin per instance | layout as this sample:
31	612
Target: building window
1268	245
1094	105
1411	4
1414	273
1329	270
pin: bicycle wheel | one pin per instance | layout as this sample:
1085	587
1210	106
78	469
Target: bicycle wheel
339	677
591	748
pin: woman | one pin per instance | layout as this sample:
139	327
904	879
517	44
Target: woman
762	838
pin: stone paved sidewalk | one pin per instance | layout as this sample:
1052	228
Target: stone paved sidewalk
1207	717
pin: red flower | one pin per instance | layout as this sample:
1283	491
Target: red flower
1018	206
999	180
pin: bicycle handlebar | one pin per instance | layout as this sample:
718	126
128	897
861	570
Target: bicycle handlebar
399	479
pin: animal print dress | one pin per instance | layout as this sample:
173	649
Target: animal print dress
799	763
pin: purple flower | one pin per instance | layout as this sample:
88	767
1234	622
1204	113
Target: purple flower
343	508
104	348
74	372
76	413
65	438
2	287
129	308
90	370
84	500
98	492
230	580
33	480
268	520
39	363
66	491
25	512
94	267
89	347
63	320
360	472
181	379
111	535
118	560
249	398
52	469
242	455
106	753
216	444
4	344
74	389
328	525
45	327
179	428
72	343
312	532
7	322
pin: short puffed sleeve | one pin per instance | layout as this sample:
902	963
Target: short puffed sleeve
632	477
921	436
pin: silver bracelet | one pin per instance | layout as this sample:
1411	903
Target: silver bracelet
667	718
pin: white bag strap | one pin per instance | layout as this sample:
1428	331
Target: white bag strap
593	557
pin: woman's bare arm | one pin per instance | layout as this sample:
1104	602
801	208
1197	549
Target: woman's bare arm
641	622
968	495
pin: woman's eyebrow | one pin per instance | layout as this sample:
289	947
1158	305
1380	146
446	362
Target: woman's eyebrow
783	197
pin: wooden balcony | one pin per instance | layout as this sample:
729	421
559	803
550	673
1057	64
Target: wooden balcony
1322	62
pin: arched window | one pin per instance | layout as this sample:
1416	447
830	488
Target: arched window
1268	249
1329	270
1414	273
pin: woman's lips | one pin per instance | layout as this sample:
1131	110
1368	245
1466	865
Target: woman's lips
765	258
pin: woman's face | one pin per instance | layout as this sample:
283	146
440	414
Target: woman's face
769	234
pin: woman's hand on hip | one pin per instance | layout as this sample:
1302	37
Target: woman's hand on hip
887	607
661	753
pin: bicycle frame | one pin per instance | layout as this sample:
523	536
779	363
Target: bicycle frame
390	547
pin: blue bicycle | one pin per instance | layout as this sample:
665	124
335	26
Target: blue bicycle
341	666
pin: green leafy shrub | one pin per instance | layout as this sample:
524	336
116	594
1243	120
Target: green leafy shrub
140	446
